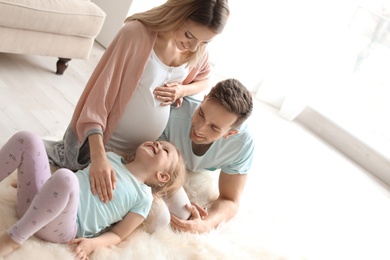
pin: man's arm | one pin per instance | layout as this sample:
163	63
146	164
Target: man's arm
223	209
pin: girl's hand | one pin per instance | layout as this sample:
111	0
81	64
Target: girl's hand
83	247
169	93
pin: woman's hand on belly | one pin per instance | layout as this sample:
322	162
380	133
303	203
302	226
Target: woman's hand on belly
169	93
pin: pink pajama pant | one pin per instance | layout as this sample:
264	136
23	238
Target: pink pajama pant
46	204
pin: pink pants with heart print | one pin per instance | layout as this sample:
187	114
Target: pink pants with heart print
46	204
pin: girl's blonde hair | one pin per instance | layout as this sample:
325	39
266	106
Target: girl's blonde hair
169	16
177	172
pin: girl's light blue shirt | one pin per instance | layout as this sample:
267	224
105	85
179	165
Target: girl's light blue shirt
129	196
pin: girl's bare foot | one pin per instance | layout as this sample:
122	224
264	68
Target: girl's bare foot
7	245
14	184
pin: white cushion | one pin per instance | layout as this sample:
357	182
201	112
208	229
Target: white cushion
53	16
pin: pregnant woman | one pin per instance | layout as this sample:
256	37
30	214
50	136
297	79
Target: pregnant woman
158	57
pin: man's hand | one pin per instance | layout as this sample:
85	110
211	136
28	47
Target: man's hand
195	223
102	179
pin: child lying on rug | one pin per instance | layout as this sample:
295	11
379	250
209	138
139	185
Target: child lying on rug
59	208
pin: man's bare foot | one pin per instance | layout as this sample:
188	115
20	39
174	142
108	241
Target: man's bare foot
7	245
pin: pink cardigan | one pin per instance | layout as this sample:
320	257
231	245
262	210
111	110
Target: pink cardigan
114	80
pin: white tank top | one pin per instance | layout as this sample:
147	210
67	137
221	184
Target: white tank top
144	119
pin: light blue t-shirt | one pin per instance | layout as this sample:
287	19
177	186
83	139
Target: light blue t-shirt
129	196
232	155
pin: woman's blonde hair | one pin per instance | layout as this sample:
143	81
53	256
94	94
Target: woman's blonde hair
169	16
177	173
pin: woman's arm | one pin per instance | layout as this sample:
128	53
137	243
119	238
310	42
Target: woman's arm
121	230
117	74
102	176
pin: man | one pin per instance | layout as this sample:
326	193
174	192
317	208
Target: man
219	138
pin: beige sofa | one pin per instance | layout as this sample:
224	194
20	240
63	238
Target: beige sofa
59	28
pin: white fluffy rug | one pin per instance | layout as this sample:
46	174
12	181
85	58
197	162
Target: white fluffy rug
240	238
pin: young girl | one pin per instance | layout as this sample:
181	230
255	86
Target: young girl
55	208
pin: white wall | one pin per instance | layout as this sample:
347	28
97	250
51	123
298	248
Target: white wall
304	50
116	13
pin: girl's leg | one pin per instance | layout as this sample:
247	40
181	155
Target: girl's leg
51	216
53	212
58	198
25	151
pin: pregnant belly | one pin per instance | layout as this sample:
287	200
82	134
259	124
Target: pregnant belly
149	123
139	124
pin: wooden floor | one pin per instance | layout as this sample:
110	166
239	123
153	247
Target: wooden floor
34	98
